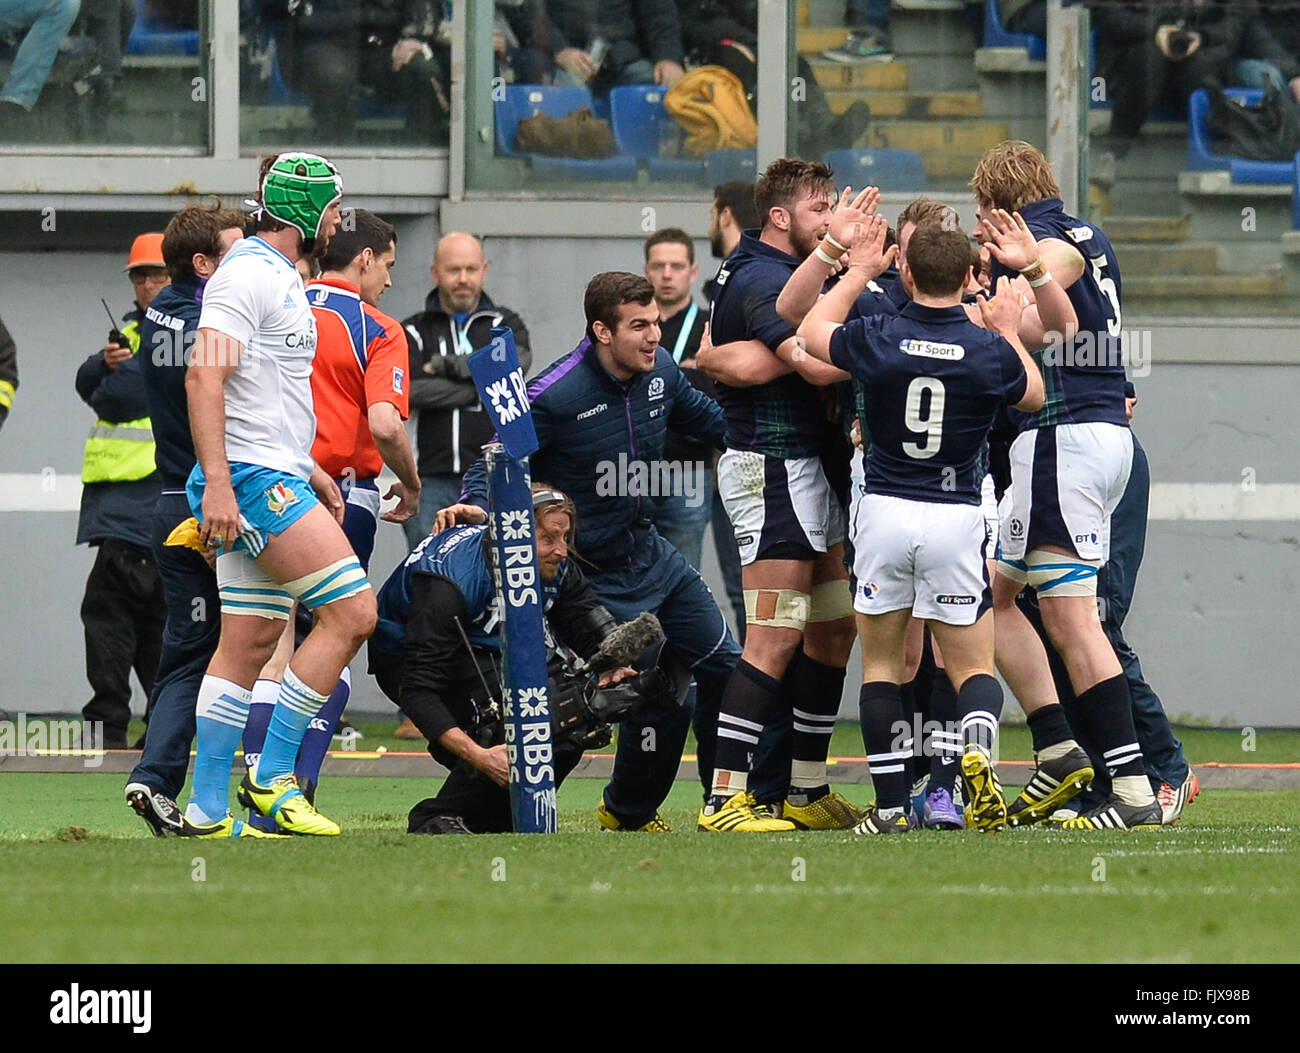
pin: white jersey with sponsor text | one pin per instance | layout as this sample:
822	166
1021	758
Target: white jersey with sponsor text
257	297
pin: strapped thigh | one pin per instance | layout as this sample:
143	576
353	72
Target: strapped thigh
778	608
1056	574
245	588
830	601
338	581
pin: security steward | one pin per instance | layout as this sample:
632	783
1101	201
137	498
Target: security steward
123	610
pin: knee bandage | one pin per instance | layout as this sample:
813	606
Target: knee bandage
1054	574
338	581
245	588
778	608
831	601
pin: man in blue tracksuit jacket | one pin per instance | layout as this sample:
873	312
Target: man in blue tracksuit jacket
193	244
601	413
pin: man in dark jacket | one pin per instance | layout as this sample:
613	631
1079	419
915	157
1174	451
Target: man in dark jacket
123	606
341	51
1146	52
452	427
601	414
192	246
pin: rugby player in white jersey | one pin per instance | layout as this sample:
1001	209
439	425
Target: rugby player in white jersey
265	507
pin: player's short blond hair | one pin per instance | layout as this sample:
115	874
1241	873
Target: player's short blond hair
1012	175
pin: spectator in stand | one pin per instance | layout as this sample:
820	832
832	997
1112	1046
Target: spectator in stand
108	24
394	51
1270	50
1151	54
42	23
725	33
124	608
607	43
868	40
412	42
519	32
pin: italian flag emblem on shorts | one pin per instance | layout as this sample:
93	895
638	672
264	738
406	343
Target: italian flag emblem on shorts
278	498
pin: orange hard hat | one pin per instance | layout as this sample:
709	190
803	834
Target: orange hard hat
146	251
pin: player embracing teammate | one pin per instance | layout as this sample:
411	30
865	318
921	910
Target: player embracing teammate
1070	464
933	383
935	374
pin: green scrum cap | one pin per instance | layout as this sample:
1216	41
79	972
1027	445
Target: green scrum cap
298	189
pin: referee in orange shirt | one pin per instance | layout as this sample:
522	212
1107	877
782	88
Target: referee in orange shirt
361	395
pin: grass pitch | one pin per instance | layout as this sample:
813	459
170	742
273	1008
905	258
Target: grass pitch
85	883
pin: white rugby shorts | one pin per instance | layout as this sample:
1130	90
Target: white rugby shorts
922	555
1065	482
770	500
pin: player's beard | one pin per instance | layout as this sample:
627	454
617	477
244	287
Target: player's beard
803	242
717	245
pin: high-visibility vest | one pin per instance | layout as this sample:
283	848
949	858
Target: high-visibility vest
121	451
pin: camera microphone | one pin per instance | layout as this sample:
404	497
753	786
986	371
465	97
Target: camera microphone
625	644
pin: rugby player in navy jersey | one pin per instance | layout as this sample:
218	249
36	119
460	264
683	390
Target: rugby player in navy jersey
936	808
1070	464
789	524
933	383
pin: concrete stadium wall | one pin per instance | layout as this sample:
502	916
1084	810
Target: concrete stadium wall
1214	619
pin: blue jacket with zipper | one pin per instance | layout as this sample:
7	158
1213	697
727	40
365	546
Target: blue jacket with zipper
601	441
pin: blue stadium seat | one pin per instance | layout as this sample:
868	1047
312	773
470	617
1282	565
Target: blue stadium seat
641	124
153	36
723	166
525	100
997	36
887	169
1202	158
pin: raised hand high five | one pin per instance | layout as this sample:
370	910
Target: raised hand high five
851	210
867	255
1009	239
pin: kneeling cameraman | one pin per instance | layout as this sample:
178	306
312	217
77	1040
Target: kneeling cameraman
436	654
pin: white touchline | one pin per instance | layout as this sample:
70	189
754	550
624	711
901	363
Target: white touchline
1209	502
1224	501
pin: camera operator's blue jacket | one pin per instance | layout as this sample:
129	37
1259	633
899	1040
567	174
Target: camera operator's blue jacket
459	555
597	434
417	642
